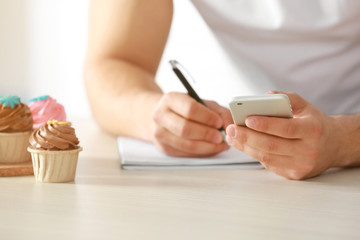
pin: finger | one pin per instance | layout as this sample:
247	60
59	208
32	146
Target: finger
240	136
191	147
282	165
279	164
184	128
222	111
187	107
294	128
268	160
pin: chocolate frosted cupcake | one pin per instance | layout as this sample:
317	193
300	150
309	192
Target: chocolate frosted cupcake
54	149
15	128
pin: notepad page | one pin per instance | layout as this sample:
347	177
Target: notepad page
137	154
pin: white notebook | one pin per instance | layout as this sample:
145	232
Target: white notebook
139	155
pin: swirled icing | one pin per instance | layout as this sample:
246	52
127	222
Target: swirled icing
46	108
14	115
54	136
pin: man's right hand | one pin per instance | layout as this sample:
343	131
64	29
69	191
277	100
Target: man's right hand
126	42
185	128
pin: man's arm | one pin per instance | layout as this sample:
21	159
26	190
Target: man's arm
126	41
348	128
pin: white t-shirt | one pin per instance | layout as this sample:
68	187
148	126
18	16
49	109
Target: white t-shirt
311	47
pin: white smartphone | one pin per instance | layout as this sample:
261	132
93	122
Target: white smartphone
274	105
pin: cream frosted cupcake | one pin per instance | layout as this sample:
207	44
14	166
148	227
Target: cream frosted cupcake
45	108
15	128
54	149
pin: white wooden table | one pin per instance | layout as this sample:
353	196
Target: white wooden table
106	202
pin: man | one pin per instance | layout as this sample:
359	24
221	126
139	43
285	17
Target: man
311	47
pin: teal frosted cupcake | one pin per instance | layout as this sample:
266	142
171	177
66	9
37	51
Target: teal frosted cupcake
15	128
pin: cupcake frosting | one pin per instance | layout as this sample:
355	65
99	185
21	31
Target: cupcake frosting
45	108
14	115
55	136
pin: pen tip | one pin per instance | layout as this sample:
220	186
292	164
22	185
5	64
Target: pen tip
173	62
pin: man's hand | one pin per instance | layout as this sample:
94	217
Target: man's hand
184	127
296	148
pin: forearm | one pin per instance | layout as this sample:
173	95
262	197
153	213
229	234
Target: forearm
349	135
126	41
122	97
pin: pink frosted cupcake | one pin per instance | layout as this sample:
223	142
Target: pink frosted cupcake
15	128
45	108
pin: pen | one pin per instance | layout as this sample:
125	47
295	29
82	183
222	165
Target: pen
176	66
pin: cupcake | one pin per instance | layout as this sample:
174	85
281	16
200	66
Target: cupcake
45	108
15	128
54	149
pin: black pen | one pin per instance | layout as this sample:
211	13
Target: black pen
176	66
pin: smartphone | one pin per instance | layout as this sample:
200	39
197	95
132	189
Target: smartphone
273	105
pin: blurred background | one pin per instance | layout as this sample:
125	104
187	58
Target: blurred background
42	49
43	46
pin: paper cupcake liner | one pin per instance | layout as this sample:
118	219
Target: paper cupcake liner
13	147
54	166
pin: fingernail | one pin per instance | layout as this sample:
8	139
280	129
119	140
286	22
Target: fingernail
218	138
231	131
219	123
250	122
229	140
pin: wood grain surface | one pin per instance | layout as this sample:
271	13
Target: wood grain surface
106	202
16	169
